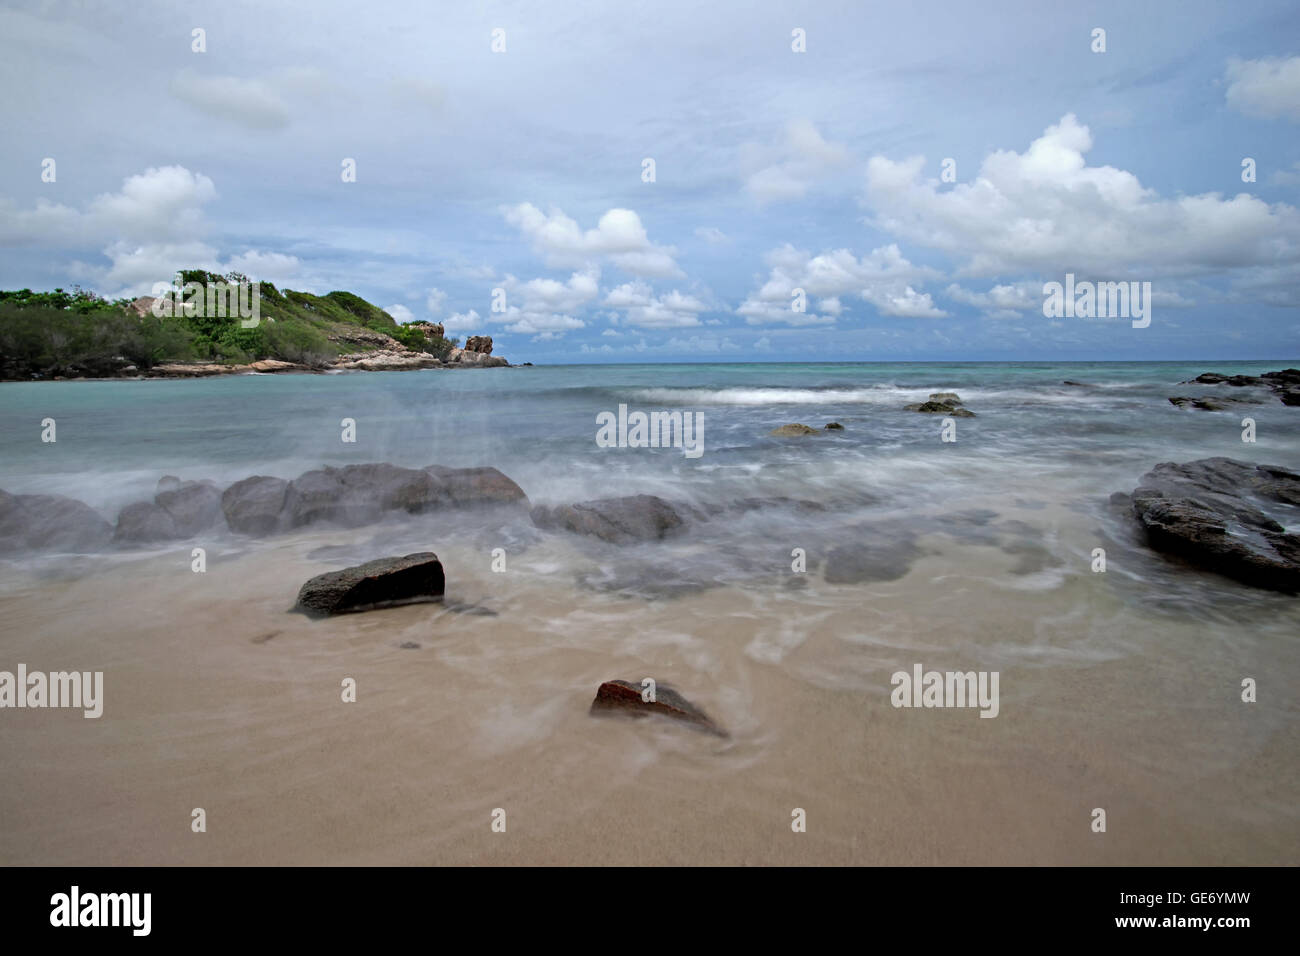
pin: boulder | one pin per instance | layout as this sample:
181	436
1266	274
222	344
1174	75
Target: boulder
834	427
790	431
472	487
143	522
50	523
253	506
621	697
1210	513
950	397
385	582
479	343
193	506
618	520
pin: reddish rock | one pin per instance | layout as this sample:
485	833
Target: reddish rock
616	697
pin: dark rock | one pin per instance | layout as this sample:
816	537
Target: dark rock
834	426
1209	512
1290	396
940	408
50	523
470	487
1287	376
194	506
1211	404
322	496
1076	384
143	522
621	697
385	582
253	506
618	520
790	431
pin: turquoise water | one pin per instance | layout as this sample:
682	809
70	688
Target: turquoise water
116	438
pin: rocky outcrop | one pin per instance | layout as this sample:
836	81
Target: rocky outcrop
1211	404
473	359
1285	383
397	359
792	431
385	582
941	403
431	330
834	427
479	343
617	520
621	697
1212	513
50	523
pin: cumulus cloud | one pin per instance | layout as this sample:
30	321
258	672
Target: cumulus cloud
463	322
541	307
1001	301
882	277
619	237
643	308
251	103
401	314
1267	88
435	301
802	160
1047	211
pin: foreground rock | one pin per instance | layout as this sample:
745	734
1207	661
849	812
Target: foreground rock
617	520
621	697
180	509
941	403
50	523
253	506
1210	513
385	582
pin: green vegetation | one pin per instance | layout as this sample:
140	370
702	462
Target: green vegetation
77	333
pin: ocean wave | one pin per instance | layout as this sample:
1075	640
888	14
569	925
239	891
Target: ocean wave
873	395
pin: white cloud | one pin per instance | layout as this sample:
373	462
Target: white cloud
711	234
788	172
1001	301
435	302
248	102
618	237
1046	211
401	314
645	309
1268	87
462	322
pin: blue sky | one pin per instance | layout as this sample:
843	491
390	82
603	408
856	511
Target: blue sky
775	170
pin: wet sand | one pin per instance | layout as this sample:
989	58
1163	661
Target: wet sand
216	697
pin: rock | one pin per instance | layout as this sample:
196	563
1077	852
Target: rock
167	483
431	330
1287	376
834	426
790	431
616	697
1209	512
479	343
50	523
474	359
194	506
1290	396
143	522
1211	404
618	520
271	366
142	306
1075	384
940	408
253	506
385	582
950	397
471	487
412	490
395	359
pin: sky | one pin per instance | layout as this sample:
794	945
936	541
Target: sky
669	181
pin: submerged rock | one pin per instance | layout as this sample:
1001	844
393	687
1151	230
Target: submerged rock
50	523
834	426
1210	404
615	697
940	408
789	431
384	582
617	520
1209	512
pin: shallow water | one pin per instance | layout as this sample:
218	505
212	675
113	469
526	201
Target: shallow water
1118	690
